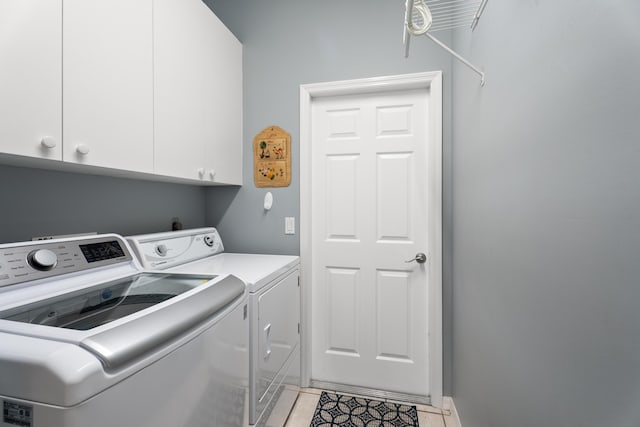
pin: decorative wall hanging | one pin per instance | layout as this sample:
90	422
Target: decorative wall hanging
272	158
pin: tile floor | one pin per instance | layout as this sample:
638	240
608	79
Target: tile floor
305	406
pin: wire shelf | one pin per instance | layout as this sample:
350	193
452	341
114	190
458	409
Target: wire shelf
450	14
423	17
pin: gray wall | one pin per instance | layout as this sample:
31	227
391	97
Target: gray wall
288	43
546	218
40	202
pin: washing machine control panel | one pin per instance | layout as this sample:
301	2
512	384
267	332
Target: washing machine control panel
22	262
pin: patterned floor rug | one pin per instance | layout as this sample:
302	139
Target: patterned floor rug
347	411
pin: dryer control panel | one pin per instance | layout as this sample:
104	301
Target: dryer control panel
165	250
23	262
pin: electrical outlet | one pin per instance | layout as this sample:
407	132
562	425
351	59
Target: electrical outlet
289	225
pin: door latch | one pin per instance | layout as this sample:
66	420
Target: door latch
420	258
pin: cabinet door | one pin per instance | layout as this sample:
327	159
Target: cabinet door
108	83
181	70
31	78
224	147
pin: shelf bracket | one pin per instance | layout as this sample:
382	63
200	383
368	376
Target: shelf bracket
476	17
458	57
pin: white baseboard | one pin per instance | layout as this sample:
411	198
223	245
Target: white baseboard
448	404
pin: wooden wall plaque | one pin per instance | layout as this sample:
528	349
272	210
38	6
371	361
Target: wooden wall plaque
272	158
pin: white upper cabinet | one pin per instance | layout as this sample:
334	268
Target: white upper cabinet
180	73
198	94
142	88
224	149
31	78
108	83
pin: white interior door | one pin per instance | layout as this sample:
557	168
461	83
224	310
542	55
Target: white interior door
372	205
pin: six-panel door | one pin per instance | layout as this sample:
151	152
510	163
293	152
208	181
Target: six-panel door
369	216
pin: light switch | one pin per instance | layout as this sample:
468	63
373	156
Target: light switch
289	225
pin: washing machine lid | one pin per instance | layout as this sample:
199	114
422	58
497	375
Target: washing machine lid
257	270
98	305
121	320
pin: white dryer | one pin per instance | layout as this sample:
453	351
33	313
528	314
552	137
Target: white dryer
88	338
274	309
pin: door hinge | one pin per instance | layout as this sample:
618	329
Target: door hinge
245	311
298	281
298	328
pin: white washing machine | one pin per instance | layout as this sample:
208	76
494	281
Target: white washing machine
88	338
274	309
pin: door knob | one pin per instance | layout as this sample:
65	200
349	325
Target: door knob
420	258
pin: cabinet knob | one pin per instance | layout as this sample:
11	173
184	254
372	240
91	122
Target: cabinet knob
82	149
48	142
212	174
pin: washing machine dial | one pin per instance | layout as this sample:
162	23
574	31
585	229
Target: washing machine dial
42	259
208	240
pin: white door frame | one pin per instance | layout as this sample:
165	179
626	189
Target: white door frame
431	81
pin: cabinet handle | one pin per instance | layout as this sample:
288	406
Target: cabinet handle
82	149
48	142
